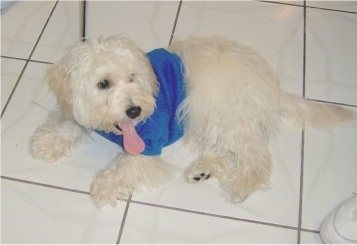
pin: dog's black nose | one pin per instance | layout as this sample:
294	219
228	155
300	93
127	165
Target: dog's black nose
133	112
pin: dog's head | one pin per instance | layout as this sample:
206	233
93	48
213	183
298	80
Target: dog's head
104	83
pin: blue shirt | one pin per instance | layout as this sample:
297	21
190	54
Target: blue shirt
162	127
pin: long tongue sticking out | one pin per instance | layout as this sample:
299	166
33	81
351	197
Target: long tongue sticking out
133	144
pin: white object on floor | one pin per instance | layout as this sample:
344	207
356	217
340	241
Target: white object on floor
340	226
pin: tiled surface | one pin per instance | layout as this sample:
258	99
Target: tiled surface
310	238
179	212
11	70
35	214
330	171
145	224
281	23
148	22
331	69
348	6
62	31
21	25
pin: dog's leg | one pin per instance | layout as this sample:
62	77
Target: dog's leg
251	171
239	173
56	137
127	174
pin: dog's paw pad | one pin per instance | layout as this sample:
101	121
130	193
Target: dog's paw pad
199	177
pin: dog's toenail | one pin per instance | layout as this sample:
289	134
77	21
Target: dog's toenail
207	176
202	174
197	178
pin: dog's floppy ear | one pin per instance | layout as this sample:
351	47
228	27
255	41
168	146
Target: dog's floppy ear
59	83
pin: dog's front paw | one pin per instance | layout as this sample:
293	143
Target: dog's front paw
107	188
48	146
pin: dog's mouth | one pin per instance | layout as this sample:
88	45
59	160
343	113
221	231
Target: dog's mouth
132	141
118	127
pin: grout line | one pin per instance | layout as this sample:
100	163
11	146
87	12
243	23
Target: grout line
13	89
14	58
307	6
124	219
43	29
175	22
42	62
311	231
304	54
301	192
27	62
44	185
302	154
331	102
23	59
217	215
129	200
84	18
334	10
281	3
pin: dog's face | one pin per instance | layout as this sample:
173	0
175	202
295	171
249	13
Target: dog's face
105	83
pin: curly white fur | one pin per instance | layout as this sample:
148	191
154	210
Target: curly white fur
233	108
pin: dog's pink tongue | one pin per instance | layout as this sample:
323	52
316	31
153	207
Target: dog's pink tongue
132	141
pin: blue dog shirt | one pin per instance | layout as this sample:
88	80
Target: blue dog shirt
162	127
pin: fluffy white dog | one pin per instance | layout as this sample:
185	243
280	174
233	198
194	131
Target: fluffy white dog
231	105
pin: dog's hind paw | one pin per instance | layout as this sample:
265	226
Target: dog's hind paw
198	177
198	172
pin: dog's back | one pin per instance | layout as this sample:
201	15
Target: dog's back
233	82
231	90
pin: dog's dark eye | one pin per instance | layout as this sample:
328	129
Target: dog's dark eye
104	84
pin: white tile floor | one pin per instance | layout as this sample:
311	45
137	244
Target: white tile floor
44	203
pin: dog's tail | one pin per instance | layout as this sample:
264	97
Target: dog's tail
313	114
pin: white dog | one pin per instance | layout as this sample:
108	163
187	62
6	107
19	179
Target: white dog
229	106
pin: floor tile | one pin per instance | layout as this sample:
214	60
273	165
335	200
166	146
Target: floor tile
146	224
147	23
27	110
280	199
331	56
248	22
329	171
62	31
34	214
337	5
21	25
310	238
10	71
